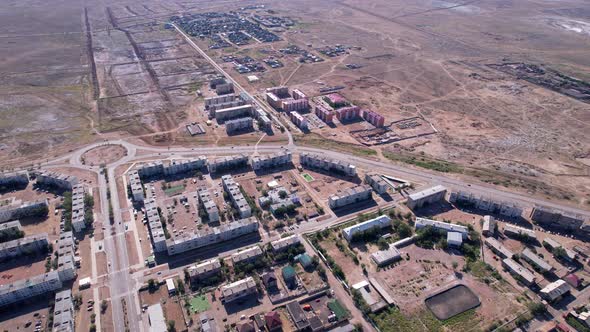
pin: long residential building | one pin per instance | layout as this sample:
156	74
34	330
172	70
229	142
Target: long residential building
239	289
327	164
271	160
555	290
350	196
237	198
519	271
10	227
151	169
512	230
57	180
63	312
27	288
208	204
325	114
246	255
199	239
536	261
299	120
135	186
377	183
78	211
204	270
374	118
549	217
498	248
184	166
508	209
211	101
426	196
18	210
228	162
285	243
348	113
154	222
441	226
233	112
380	222
27	245
551	244
239	124
13	179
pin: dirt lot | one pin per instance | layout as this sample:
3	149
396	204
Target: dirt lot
452	302
105	154
21	268
34	311
172	306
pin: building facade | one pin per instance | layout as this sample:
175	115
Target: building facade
350	196
427	196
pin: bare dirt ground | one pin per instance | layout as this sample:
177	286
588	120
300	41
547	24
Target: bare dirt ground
104	154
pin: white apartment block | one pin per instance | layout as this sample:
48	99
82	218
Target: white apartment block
23	246
426	196
442	226
350	196
246	255
498	248
198	239
239	124
136	186
26	288
14	178
229	162
519	231
184	166
155	224
18	210
271	160
63	313
507	209
284	243
57	180
236	196
327	164
233	112
238	290
66	244
204	270
555	290
219	100
78	208
379	222
208	204
377	183
520	271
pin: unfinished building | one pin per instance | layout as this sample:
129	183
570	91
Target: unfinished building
507	209
272	160
350	196
237	198
427	196
228	163
327	164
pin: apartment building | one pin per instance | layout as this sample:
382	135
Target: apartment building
148	170
155	224
444	227
18	210
198	239
272	160
27	288
350	196
348	113
225	114
325	114
498	248
380	222
247	255
536	261
78	223
512	230
489	226
224	88
208	204
135	186
519	271
238	125
549	217
10	227
239	289
294	105
57	180
555	290
229	162
204	270
237	198
327	164
185	166
377	183
427	196
507	209
299	120
211	101
63	312
23	246
14	179
66	267
374	118
285	243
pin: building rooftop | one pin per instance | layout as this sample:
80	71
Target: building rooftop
427	192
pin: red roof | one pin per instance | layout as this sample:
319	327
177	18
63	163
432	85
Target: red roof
573	280
273	320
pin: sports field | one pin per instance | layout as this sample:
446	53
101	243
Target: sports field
199	304
307	177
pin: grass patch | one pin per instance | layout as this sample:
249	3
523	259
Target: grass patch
392	319
315	140
307	177
174	190
338	309
576	324
199	304
424	162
